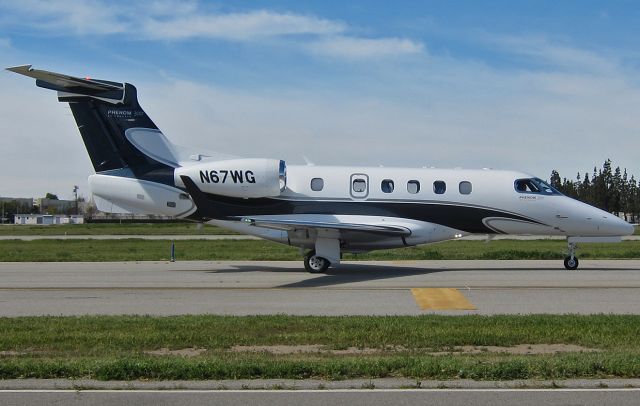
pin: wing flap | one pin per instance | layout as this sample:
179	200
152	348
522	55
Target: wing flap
292	225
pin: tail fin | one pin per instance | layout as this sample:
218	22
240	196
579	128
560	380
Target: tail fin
112	124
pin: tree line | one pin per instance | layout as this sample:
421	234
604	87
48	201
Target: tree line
609	189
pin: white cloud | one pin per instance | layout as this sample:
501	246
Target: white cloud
358	48
5	43
174	20
41	148
543	51
170	8
239	26
463	121
87	17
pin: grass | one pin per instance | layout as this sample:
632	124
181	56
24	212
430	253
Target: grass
260	250
114	347
113	229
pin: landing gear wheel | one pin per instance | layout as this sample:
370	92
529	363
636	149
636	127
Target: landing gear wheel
571	263
315	264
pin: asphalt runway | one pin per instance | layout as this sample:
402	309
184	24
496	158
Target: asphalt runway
355	288
491	397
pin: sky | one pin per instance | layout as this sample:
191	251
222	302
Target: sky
525	85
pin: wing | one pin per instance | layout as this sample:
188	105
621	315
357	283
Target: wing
361	230
294	225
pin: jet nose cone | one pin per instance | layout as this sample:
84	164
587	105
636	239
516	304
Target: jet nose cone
629	229
617	226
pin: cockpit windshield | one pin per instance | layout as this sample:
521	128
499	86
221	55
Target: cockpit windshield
534	185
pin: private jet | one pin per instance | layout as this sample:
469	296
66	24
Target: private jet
324	210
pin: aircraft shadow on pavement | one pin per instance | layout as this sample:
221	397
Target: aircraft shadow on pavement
353	273
364	273
346	273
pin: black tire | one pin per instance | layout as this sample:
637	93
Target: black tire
315	264
571	263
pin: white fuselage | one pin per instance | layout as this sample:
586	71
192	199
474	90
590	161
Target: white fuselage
551	214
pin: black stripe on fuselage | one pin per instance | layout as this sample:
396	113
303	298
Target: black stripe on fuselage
462	217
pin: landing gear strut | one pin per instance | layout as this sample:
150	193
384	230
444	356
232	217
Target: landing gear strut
315	264
570	261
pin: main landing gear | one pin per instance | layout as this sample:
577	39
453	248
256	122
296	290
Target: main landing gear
315	264
570	261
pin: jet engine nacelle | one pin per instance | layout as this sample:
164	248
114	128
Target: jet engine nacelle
251	177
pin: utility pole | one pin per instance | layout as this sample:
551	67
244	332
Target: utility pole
3	212
75	193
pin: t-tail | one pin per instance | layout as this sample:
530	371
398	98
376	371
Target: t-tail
133	160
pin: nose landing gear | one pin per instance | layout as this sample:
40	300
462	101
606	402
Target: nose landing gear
570	261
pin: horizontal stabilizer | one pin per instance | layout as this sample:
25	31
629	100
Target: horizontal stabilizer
64	81
72	85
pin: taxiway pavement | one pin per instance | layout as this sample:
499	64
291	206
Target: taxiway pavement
354	288
490	397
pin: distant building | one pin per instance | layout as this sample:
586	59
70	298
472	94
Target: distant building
11	205
50	206
46	219
20	201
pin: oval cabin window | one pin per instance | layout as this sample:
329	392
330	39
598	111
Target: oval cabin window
387	186
413	187
359	185
439	187
465	187
317	184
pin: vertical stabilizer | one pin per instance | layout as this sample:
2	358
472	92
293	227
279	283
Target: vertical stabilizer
109	119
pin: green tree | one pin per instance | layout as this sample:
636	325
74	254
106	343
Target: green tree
608	189
634	200
555	180
616	192
586	192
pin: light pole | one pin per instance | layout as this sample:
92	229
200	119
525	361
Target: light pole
75	193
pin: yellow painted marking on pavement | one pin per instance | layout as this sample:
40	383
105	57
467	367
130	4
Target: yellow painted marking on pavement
441	299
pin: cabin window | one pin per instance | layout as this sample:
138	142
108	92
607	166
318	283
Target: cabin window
171	204
439	187
413	187
183	196
387	186
465	187
359	185
317	184
534	185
